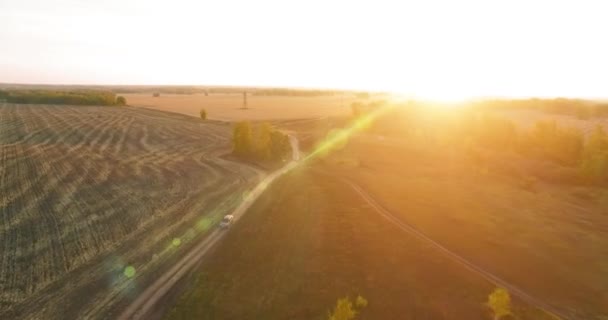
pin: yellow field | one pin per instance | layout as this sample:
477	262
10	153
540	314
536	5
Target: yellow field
229	107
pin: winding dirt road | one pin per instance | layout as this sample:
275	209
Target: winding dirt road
406	227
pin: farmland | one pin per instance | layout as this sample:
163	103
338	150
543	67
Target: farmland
96	200
230	106
322	241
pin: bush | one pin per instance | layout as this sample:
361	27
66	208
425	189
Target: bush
203	114
499	301
262	143
344	309
121	101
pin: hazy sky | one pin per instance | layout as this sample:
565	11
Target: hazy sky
440	49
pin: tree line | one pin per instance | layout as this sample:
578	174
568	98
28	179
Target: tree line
83	97
260	142
582	109
295	92
473	127
545	140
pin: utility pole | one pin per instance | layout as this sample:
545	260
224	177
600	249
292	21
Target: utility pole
244	99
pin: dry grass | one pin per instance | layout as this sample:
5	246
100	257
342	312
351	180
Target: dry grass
228	107
528	118
310	240
549	241
320	242
86	191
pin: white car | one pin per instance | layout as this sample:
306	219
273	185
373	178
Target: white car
227	221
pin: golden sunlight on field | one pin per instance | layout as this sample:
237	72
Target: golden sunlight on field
229	107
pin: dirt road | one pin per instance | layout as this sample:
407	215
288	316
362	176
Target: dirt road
406	227
145	302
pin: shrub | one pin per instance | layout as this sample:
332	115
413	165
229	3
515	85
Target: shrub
121	101
203	114
499	302
360	302
344	309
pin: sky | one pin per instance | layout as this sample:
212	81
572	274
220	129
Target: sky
427	48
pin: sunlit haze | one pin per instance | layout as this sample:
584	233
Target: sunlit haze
434	49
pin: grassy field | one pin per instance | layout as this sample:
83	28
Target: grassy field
96	199
311	240
550	240
230	106
527	118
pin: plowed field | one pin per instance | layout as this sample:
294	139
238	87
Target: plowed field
86	192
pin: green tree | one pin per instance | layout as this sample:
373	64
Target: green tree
121	101
203	113
499	302
344	309
263	142
242	139
280	146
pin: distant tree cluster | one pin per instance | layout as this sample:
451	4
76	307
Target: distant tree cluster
295	92
359	108
575	157
594	162
362	95
83	97
582	109
545	140
261	143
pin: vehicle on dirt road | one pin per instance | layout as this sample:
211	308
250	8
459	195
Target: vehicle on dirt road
227	221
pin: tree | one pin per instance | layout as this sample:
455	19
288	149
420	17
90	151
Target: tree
280	146
500	303
242	139
594	165
121	101
564	146
203	114
263	142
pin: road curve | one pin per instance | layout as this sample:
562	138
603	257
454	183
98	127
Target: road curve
549	309
145	302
